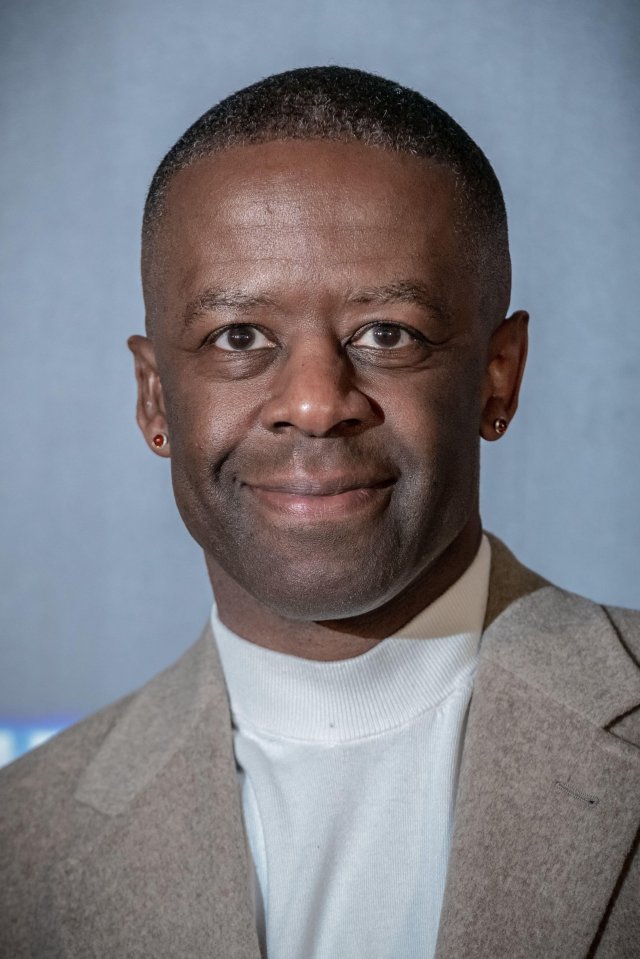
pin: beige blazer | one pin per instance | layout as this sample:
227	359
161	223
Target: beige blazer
123	837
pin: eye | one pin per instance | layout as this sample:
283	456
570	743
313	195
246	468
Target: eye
386	336
240	338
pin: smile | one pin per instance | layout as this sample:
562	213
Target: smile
324	498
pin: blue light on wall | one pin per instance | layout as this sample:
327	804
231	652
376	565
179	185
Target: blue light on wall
17	738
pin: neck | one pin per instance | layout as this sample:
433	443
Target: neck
343	638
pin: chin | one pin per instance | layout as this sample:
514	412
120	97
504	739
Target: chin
314	608
321	598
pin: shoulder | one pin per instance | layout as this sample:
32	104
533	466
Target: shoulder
56	801
37	790
39	819
626	622
580	653
524	595
58	763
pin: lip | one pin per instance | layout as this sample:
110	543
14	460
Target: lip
326	497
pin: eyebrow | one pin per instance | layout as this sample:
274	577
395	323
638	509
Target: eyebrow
399	292
218	299
403	292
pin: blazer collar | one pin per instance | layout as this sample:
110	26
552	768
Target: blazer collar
158	723
160	866
560	644
547	805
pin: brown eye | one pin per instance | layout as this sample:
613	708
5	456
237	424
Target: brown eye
242	337
385	336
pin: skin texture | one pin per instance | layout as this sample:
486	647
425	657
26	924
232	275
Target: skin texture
322	369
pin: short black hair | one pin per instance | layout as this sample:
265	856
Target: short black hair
339	103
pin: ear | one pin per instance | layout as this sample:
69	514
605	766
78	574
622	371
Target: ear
506	358
150	409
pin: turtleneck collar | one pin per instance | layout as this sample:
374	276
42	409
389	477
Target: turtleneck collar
401	677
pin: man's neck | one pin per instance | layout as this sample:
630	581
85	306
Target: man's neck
343	638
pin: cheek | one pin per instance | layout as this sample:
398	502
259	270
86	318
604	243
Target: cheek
437	426
206	419
437	411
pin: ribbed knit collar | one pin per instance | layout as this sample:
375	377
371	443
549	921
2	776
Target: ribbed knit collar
404	675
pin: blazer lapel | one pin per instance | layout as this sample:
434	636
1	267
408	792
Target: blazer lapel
547	806
162	867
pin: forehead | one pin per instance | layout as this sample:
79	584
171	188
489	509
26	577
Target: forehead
309	185
307	213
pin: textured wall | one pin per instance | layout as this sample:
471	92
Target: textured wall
101	586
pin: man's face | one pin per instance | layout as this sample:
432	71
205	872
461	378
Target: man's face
322	366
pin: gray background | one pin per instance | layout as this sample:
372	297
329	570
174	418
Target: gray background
101	586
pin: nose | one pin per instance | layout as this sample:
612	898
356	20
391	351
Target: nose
315	392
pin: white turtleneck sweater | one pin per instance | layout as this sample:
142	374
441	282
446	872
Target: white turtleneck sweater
348	773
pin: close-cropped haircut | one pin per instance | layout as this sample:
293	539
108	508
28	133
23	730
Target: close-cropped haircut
338	103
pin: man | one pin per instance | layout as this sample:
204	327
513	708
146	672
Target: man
326	278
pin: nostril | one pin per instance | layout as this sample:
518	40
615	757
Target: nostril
318	406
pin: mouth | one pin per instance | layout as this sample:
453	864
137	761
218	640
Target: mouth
317	498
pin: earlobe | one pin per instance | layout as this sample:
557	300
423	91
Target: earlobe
160	440
507	355
150	409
